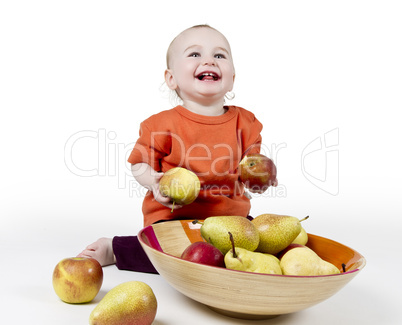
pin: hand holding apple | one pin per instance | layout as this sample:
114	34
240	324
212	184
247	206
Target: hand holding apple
257	172
77	279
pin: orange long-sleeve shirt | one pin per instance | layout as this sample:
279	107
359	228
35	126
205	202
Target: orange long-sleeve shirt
210	146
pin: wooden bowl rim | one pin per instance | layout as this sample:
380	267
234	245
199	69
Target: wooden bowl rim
149	233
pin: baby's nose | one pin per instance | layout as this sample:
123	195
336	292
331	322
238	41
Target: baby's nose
209	61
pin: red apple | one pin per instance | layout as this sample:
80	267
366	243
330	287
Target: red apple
257	172
287	249
77	279
204	253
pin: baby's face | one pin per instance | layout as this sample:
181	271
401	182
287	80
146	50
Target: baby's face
201	65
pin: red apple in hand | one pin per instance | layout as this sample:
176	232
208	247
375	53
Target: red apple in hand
204	253
77	279
257	172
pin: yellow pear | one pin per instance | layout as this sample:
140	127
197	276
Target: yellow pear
276	232
304	261
302	238
241	259
215	231
181	185
130	302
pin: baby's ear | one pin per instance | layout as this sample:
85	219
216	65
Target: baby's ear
169	79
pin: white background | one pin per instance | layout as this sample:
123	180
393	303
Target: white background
77	78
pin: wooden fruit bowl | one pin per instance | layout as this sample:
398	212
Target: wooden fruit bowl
244	294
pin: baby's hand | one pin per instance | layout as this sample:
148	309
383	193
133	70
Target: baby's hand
164	200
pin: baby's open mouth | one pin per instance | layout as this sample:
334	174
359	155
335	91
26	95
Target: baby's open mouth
208	76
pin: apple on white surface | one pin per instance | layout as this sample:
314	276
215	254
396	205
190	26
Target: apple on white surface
77	279
257	172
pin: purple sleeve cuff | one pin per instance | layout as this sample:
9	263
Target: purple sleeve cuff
130	255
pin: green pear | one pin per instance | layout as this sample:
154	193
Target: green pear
241	259
215	231
276	232
130	302
304	261
302	238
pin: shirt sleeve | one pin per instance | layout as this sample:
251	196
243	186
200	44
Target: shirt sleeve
250	133
150	147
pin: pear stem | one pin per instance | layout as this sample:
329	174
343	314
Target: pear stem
343	267
233	245
171	211
305	218
194	222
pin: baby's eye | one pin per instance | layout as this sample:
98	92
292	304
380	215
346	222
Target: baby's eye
220	56
194	55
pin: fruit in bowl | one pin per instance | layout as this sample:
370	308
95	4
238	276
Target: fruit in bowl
288	248
204	253
301	238
247	295
304	261
244	260
276	231
215	231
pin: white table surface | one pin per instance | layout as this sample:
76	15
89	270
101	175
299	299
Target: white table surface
30	253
